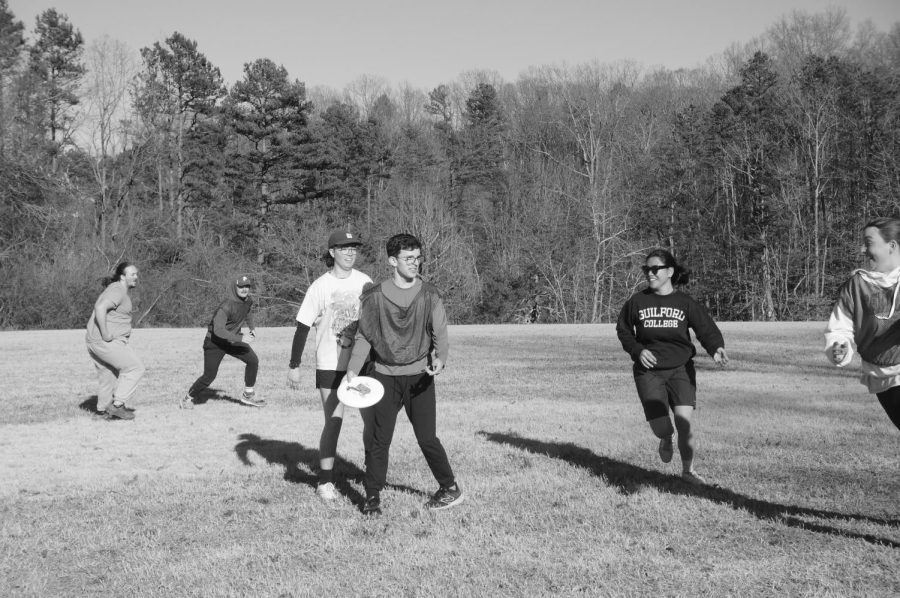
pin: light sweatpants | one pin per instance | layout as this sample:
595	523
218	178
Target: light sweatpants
118	371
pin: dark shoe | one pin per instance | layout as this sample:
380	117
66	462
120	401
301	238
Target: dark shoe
250	398
119	412
666	449
186	402
372	506
445	498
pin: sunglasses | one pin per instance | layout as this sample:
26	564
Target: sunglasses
653	269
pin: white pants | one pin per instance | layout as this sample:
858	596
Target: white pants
118	371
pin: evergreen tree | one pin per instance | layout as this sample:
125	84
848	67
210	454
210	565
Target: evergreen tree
271	158
176	97
55	69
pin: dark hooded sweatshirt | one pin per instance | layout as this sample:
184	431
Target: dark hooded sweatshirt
229	316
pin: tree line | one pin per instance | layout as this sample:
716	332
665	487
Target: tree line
536	199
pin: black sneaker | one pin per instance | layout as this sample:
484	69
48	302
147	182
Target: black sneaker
372	506
250	398
119	412
446	497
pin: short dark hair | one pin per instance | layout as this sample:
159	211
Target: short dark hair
888	228
680	274
398	243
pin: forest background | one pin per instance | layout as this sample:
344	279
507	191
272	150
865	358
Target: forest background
536	199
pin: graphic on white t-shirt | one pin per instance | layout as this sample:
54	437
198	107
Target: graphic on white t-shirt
332	306
345	312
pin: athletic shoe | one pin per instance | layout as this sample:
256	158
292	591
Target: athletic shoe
445	498
248	397
119	412
372	506
326	491
186	402
665	449
691	477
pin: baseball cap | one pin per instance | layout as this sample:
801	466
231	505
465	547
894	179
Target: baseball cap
339	238
244	281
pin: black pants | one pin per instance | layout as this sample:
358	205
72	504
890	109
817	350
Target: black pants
890	401
214	350
416	394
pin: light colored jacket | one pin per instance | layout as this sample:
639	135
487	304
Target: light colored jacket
867	320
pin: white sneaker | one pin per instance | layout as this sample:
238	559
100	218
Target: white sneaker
665	449
691	477
326	491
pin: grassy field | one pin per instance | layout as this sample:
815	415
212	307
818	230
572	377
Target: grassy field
566	494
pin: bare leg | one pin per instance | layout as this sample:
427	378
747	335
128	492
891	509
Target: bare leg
683	415
662	428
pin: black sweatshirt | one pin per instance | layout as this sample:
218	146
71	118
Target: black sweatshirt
229	316
660	323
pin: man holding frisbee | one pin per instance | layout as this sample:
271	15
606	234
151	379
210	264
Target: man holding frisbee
403	323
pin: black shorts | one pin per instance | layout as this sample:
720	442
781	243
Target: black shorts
661	389
329	379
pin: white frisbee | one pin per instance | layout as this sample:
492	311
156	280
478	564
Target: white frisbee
362	392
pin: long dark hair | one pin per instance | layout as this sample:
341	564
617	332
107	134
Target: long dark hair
680	275
117	274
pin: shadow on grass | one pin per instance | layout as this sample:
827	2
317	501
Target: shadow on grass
214	394
89	405
630	478
291	454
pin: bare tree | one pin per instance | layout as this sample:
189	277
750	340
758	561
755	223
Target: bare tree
107	129
363	91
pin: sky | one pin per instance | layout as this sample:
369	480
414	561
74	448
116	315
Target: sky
425	43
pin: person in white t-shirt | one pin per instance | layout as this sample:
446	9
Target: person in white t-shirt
331	305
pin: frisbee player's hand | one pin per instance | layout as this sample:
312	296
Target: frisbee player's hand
349	376
435	368
838	352
294	378
721	357
107	338
248	338
648	359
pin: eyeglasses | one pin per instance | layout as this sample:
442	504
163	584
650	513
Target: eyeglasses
412	259
348	249
653	269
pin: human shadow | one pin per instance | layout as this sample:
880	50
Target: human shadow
89	405
291	455
630	478
214	394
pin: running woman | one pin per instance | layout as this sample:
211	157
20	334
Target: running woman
865	317
108	343
224	337
331	305
653	329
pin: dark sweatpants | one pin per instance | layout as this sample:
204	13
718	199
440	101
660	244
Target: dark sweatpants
890	401
416	394
214	350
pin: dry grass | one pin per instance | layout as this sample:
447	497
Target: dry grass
566	495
